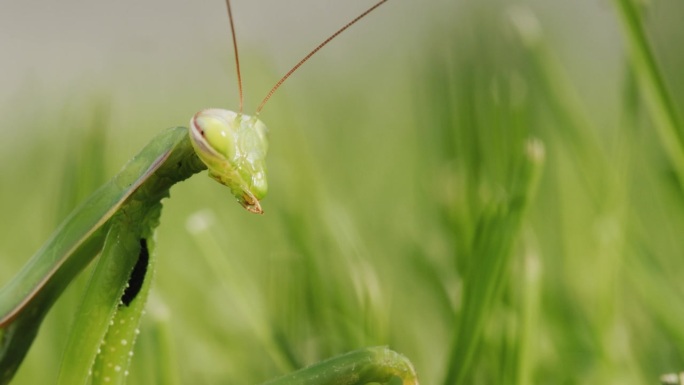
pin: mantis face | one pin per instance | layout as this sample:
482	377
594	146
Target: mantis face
233	146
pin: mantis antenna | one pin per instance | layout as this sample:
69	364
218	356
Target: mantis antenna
304	60
234	145
235	49
307	57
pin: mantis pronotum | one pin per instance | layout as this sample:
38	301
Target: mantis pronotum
118	220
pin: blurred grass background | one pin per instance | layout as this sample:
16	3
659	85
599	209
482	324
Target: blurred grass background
402	207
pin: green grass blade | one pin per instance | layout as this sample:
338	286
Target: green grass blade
657	97
497	231
156	361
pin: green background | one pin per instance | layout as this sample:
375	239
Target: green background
393	216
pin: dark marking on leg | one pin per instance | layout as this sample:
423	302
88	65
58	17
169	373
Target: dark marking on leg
135	281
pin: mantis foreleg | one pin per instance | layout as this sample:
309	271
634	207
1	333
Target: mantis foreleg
103	335
377	365
142	183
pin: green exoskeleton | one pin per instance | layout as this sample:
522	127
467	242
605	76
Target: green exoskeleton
117	222
233	146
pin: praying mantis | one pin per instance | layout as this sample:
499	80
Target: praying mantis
117	223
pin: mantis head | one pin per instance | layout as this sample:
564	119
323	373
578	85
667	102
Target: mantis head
233	146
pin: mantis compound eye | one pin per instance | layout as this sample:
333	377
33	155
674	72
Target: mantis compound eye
233	146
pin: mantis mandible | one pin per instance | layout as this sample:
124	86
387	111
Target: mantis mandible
117	222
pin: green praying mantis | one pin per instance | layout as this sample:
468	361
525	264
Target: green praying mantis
117	223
